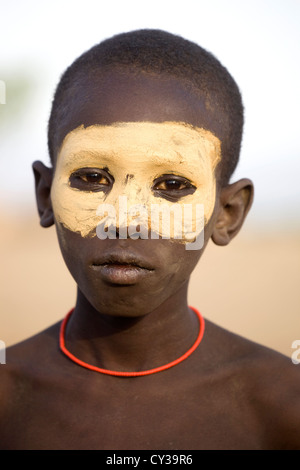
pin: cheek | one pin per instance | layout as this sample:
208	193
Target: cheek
156	217
75	210
70	245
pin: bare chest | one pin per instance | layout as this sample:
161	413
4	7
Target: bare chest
132	417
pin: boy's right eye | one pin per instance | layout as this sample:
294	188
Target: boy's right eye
91	179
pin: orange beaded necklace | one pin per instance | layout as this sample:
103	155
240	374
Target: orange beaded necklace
129	374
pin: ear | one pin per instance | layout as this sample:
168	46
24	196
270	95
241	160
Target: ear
235	202
43	180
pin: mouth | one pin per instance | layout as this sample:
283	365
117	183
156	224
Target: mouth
122	269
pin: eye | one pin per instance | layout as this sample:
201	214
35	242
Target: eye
172	187
91	179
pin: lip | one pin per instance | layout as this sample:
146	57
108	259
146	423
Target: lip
122	268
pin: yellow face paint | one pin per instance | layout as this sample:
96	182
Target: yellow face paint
136	155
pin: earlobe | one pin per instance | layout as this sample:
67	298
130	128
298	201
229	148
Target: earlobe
43	180
235	202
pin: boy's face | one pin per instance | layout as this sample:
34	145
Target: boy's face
139	166
139	139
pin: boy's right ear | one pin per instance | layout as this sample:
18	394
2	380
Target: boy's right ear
43	180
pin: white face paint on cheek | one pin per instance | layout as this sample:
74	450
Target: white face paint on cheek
136	154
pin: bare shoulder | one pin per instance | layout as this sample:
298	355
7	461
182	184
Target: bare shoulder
31	355
268	380
26	363
278	389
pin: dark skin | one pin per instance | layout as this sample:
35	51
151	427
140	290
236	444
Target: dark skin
229	394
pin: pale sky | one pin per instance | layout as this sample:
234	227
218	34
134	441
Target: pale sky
257	40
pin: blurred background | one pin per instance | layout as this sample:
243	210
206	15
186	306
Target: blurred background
251	286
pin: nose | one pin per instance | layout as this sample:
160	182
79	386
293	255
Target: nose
126	207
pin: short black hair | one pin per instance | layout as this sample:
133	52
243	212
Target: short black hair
159	52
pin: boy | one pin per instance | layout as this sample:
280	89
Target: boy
147	119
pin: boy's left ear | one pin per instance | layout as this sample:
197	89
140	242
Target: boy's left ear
43	180
235	201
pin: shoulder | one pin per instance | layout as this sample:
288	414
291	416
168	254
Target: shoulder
30	353
276	390
268	380
26	363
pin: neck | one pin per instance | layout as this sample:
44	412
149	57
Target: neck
132	344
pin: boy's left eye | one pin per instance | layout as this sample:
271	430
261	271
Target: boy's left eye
170	185
173	187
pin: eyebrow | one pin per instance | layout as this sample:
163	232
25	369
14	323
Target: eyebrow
87	153
73	158
73	162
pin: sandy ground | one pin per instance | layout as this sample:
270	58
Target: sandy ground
250	287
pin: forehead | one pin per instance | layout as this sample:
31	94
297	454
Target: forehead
118	96
145	145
